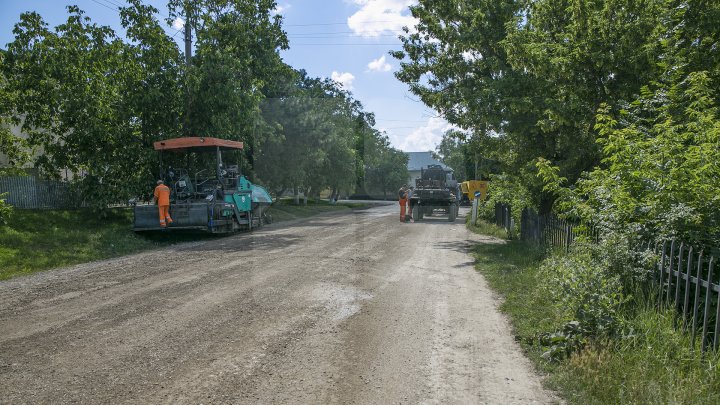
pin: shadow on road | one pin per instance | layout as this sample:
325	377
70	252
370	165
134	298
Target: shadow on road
462	247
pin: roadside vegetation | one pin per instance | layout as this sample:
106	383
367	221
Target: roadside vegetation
605	114
33	240
640	358
107	96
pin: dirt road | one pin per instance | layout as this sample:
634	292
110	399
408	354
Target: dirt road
340	308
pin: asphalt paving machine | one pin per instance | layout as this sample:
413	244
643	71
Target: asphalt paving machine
435	190
217	201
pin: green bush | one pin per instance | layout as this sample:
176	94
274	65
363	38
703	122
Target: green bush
591	288
5	210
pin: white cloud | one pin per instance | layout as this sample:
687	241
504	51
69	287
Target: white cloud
178	23
280	8
378	16
427	137
345	79
379	65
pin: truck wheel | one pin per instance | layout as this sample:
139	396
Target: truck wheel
452	212
416	213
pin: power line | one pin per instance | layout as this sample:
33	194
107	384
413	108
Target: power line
112	2
104	5
380	119
323	24
107	4
338	44
337	32
339	36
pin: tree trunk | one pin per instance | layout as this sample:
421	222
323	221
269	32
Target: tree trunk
296	195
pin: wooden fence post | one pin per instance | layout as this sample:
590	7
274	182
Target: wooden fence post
686	301
708	291
670	267
717	324
568	233
697	298
661	275
677	278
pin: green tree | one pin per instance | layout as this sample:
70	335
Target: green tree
455	152
91	103
387	170
530	76
237	44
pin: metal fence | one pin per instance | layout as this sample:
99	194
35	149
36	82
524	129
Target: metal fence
550	230
687	281
547	229
29	192
685	278
503	218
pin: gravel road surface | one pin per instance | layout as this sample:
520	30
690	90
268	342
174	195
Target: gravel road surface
339	308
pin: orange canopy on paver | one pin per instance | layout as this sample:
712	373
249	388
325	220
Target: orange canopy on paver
182	144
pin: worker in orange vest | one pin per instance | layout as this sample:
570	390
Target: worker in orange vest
402	194
162	197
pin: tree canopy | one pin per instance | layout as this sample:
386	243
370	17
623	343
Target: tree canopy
612	102
92	102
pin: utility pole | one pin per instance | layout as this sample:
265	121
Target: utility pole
188	59
188	37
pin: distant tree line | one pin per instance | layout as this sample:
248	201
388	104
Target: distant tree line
93	102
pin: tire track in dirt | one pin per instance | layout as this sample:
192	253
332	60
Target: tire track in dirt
340	308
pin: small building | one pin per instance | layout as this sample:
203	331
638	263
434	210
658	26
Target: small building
420	160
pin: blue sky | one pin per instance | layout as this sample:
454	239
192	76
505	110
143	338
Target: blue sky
347	40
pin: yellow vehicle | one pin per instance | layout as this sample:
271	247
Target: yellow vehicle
469	188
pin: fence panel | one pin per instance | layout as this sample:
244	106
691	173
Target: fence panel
29	192
678	278
503	217
550	230
680	269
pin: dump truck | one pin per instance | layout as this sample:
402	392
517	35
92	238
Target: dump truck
215	199
435	191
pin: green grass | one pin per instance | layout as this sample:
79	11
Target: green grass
486	228
40	240
654	364
511	268
285	210
658	365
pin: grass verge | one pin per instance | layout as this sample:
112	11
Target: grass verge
653	363
40	240
285	210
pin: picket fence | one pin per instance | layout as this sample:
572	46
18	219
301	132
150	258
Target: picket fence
30	192
684	277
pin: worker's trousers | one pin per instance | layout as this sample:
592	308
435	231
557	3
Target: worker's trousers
164	211
403	205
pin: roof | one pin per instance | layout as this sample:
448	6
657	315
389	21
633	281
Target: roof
420	160
190	142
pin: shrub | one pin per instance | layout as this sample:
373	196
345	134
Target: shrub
590	287
5	210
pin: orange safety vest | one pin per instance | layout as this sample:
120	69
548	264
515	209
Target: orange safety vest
162	194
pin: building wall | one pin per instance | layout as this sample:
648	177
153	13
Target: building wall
414	174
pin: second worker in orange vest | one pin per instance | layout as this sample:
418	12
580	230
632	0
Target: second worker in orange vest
162	197
402	194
